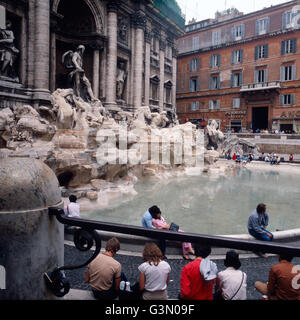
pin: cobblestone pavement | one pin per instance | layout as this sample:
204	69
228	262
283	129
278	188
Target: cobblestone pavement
255	268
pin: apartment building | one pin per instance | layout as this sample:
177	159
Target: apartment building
243	70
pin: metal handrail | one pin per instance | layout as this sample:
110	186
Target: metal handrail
214	241
86	235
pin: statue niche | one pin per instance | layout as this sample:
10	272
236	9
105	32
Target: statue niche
8	54
121	80
81	85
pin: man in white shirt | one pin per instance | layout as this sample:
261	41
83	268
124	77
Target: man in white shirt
73	209
231	284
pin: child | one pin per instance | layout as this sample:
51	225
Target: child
73	208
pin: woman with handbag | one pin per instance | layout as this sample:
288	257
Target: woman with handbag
160	223
231	284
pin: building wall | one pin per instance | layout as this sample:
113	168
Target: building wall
269	97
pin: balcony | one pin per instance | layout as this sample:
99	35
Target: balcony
261	86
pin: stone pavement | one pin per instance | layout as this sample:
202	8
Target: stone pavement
256	268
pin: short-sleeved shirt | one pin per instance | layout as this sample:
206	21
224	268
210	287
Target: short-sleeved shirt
280	282
102	271
156	276
73	210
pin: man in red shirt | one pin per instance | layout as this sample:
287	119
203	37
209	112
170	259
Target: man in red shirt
193	283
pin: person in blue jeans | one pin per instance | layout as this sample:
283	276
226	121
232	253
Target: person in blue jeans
258	222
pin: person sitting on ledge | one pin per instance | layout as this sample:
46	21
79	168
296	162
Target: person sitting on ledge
257	223
282	284
147	223
73	209
160	223
231	284
104	272
154	274
198	276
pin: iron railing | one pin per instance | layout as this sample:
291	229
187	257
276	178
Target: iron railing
86	235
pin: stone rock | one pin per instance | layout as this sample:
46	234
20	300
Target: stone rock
211	156
92	195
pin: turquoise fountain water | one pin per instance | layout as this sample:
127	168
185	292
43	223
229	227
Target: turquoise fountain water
213	204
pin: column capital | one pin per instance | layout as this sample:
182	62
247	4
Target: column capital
138	20
113	5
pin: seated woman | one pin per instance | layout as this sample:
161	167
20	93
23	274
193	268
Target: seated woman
160	223
154	274
231	284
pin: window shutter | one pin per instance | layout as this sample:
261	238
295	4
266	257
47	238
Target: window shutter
284	20
218	60
211	61
256	53
281	99
240	79
218	104
266	49
257	27
268	25
256	76
191	85
266	76
191	65
210	83
210	105
218	82
294	41
242	55
283	47
231	80
292	98
282	73
232	57
198	63
197	105
243	31
233	33
197	85
294	72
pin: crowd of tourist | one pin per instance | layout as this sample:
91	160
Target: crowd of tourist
200	279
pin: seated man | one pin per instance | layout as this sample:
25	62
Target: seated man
257	223
104	272
198	277
282	284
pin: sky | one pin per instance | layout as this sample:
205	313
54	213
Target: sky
205	9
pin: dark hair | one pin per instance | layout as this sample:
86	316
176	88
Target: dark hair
152	253
72	198
261	208
285	256
112	245
154	210
202	251
232	260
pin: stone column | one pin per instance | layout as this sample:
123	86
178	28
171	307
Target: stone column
174	72
96	57
112	48
102	84
139	23
42	48
53	62
162	48
147	66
